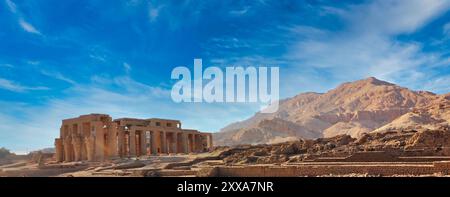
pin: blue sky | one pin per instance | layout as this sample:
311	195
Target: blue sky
60	59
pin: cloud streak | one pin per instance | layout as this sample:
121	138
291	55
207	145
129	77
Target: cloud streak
58	75
392	17
25	25
127	67
11	6
28	27
446	29
7	65
367	46
16	87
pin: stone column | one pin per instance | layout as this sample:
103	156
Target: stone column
143	143
184	137
99	141
153	142
61	133
190	140
83	149
67	149
132	143
112	140
194	143
121	142
76	142
80	129
168	142
163	143
59	150
89	141
175	142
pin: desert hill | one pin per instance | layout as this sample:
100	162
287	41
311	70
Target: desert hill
354	108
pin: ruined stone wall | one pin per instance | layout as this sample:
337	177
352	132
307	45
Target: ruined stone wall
320	170
97	137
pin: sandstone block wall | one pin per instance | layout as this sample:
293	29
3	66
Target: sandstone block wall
318	170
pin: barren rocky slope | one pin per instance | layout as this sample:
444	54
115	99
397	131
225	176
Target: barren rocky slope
399	143
352	108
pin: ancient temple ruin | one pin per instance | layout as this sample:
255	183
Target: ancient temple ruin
96	137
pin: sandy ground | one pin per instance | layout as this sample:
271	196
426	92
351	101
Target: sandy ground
115	167
176	165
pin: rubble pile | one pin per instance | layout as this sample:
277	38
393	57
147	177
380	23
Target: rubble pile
422	142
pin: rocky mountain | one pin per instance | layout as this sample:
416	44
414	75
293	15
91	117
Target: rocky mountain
354	108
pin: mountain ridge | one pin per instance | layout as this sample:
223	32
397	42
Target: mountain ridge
351	108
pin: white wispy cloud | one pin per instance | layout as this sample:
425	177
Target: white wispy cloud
16	87
33	62
97	57
153	14
28	27
227	43
130	85
7	65
446	29
367	46
318	58
439	84
25	25
126	67
305	31
239	12
154	11
99	53
58	75
11	6
394	16
133	2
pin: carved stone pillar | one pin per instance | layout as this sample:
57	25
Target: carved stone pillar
174	142
194	143
121	142
143	143
184	137
68	149
83	149
153	142
59	152
132	143
89	141
112	140
163	143
99	141
76	142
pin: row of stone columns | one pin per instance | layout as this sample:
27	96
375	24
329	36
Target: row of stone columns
101	143
159	142
74	149
106	141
